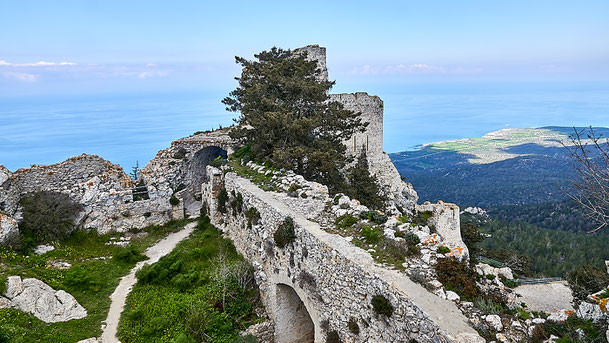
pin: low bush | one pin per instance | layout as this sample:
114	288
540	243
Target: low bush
346	221
180	154
285	233
490	277
47	216
411	239
381	305
374	216
488	306
253	216
174	201
457	277
333	337
372	235
443	249
237	203
129	254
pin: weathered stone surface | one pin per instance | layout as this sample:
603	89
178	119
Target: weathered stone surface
591	311
36	297
559	316
494	321
8	228
334	279
103	188
445	218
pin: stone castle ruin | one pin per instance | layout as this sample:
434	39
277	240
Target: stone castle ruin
318	284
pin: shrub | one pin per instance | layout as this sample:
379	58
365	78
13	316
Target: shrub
222	199
372	235
174	201
285	233
397	250
374	216
487	305
129	255
605	294
47	216
217	162
82	279
457	277
381	305
411	239
346	221
253	216
523	314
586	280
353	327
180	154
490	277
333	337
442	249
293	188
147	214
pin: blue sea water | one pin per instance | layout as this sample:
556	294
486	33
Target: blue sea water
125	128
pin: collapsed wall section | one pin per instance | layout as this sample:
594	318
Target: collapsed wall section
335	280
103	188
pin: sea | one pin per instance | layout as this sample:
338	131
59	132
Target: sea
129	128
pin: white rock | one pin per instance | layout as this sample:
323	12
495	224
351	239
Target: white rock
43	249
558	316
38	298
4	302
452	296
494	321
538	321
389	233
440	292
501	337
589	311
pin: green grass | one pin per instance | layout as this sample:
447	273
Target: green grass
90	280
263	181
192	294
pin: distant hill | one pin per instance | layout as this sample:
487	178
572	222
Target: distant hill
516	174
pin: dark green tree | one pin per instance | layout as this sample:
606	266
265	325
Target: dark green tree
286	116
362	186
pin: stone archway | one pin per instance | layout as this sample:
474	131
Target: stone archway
293	323
196	174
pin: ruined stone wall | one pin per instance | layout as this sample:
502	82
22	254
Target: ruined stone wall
334	279
170	167
103	188
316	53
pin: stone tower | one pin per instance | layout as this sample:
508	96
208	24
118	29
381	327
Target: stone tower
371	140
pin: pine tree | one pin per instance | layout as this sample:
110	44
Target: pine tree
287	119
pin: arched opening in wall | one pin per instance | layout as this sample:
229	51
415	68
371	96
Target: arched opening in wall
293	323
196	174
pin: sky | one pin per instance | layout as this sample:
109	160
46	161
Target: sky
73	47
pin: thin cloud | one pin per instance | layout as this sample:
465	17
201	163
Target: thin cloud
23	77
37	64
418	68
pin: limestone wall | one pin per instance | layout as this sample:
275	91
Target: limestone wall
334	279
103	188
445	218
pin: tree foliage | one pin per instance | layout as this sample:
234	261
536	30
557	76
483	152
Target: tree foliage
362	186
286	116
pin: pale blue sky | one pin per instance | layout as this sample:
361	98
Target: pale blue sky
152	45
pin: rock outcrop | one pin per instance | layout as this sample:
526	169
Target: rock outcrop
36	297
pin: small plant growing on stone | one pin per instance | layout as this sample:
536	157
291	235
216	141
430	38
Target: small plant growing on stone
293	188
372	235
411	239
443	249
381	305
285	233
336	199
237	203
174	201
180	154
353	327
374	216
333	337
217	162
304	195
253	216
490	276
457	277
346	221
222	199
147	214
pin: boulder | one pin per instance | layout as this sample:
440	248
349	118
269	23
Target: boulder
43	249
590	311
36	297
559	316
